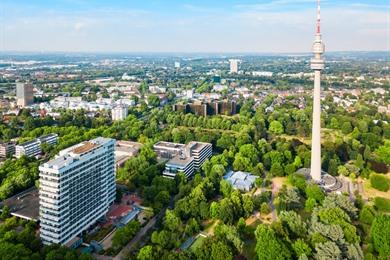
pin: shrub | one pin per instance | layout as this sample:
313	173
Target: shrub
367	215
380	182
382	204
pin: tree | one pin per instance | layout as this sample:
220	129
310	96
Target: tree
310	203
247	205
226	188
367	215
301	248
5	212
220	251
327	250
277	169
265	208
214	210
380	235
225	212
276	127
346	128
314	191
146	253
268	246
383	153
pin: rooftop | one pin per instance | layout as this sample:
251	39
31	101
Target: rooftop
169	145
197	145
86	147
24	205
180	161
67	156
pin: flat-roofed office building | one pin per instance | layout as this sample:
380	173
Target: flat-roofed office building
184	159
179	164
76	189
33	147
199	151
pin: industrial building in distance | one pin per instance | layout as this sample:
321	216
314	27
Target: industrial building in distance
76	189
33	147
198	108
183	158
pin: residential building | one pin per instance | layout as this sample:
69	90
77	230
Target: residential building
24	94
177	65
119	113
76	189
7	149
33	147
208	108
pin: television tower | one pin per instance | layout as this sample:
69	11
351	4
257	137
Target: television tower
317	64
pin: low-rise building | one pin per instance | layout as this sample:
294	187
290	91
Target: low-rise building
33	147
184	159
243	181
167	150
124	150
179	164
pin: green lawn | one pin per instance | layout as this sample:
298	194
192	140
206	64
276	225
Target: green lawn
198	242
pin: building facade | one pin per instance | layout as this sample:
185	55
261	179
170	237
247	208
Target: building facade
76	189
7	149
24	94
200	152
119	113
179	164
33	147
183	158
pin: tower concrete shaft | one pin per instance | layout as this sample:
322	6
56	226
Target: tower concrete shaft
317	64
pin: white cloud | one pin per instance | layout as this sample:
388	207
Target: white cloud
241	30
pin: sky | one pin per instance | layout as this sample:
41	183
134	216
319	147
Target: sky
217	26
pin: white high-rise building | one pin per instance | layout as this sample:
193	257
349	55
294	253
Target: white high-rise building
177	65
233	65
317	64
119	113
76	189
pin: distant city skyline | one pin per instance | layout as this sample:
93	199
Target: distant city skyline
191	26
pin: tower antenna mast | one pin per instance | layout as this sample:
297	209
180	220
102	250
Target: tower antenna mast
318	16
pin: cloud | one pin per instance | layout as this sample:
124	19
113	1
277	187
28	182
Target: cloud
78	26
193	30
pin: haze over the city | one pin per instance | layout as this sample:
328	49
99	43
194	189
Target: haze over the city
191	26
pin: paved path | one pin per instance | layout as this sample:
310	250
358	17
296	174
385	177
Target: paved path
136	239
139	235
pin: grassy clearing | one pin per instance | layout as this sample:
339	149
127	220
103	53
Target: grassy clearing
198	242
371	192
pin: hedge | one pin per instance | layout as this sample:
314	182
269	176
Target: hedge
380	182
382	204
